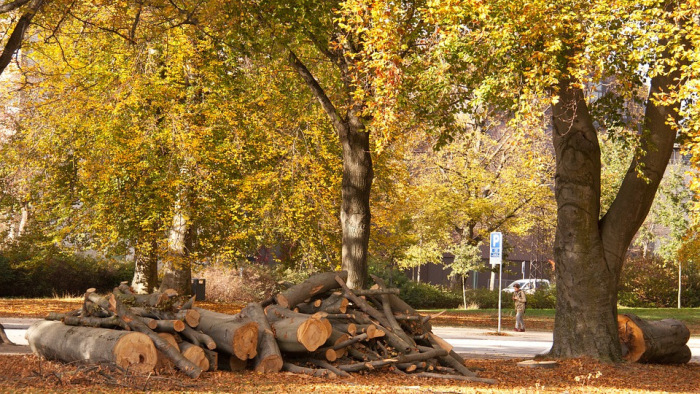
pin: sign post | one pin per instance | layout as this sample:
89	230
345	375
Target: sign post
496	256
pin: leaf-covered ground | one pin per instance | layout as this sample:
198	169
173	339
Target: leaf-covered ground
29	374
26	373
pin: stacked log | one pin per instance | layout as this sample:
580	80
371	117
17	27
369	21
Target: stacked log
142	333
319	327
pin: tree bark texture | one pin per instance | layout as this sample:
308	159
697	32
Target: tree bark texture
315	285
232	334
355	210
177	272
661	342
145	269
358	172
589	251
56	341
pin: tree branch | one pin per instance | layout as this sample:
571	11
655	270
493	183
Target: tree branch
316	90
12	6
15	41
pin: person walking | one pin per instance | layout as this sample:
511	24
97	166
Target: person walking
520	300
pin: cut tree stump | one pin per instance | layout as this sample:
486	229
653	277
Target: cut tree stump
658	342
130	350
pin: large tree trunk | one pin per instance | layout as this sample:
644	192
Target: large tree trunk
177	272
56	341
589	252
145	268
355	211
357	171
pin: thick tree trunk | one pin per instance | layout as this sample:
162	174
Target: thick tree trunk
56	341
661	342
585	322
357	170
589	252
355	210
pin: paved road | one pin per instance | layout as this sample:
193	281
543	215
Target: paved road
473	342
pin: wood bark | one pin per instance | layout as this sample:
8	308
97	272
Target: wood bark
232	334
316	284
136	324
269	358
297	334
358	171
659	342
56	341
589	252
164	363
145	278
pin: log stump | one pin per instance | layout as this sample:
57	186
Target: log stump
659	342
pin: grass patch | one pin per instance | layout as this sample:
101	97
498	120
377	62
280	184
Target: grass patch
543	319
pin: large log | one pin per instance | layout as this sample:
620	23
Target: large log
269	358
660	342
298	334
56	341
316	284
233	334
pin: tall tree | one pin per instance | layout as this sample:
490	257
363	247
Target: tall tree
565	52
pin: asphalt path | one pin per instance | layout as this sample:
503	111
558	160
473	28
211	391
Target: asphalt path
470	342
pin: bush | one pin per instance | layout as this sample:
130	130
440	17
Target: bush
247	283
34	269
653	283
418	295
427	296
487	299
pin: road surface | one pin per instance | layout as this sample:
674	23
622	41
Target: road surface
472	342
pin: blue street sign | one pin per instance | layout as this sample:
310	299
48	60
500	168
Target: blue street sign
496	248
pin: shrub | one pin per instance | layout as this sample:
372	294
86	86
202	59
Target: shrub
418	295
653	283
36	269
247	283
487	299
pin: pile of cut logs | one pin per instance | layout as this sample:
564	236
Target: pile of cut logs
319	327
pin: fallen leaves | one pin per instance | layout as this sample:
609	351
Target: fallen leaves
577	375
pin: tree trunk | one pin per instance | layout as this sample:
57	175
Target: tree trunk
661	342
56	341
299	334
589	251
357	170
177	273
195	354
586	286
316	284
145	268
355	210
